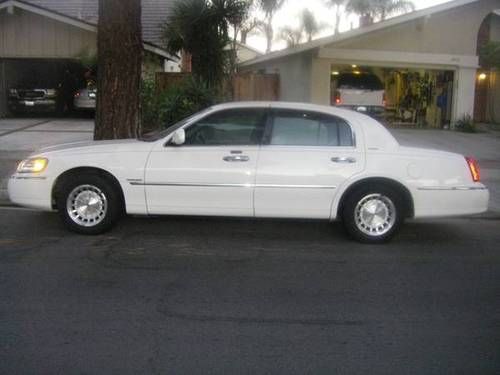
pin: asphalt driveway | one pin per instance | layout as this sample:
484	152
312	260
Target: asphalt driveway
20	137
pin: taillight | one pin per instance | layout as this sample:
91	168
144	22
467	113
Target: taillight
384	100
474	169
337	98
77	94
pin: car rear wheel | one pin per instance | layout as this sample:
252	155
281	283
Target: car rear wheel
88	204
373	214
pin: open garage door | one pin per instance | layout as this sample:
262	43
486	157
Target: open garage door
399	96
25	83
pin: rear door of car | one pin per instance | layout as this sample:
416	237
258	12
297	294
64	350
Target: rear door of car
304	158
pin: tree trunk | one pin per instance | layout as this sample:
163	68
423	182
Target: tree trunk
337	20
119	44
269	36
243	36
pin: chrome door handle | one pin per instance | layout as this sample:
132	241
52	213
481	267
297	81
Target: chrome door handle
344	159
236	158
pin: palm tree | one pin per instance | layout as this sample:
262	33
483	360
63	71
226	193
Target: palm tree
385	8
369	10
291	36
269	7
309	24
337	4
201	28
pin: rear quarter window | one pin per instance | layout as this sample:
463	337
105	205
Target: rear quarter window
297	128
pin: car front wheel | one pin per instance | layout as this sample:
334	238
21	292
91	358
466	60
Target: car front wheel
373	214
88	204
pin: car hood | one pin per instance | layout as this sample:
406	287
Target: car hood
113	146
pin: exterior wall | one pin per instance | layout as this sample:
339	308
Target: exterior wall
3	90
495	28
465	88
295	76
493	107
451	32
28	35
321	81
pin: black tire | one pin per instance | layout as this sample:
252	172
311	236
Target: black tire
113	202
381	193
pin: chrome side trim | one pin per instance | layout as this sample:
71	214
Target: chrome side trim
264	186
27	178
452	188
192	185
295	186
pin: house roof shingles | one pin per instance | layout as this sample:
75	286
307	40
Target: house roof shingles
154	14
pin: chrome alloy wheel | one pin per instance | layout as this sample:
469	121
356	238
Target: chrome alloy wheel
375	215
87	205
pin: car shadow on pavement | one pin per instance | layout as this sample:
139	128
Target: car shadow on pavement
202	234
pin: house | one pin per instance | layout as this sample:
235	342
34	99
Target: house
39	39
429	56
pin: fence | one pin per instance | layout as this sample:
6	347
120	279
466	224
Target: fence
245	86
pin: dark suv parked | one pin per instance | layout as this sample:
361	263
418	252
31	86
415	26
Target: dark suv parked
32	100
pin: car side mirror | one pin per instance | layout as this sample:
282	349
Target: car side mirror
179	137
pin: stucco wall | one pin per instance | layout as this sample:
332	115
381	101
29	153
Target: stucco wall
295	76
3	90
493	106
495	28
451	32
25	34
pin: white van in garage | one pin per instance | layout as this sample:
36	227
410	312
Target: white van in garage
361	91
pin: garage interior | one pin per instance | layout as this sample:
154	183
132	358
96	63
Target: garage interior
413	97
37	74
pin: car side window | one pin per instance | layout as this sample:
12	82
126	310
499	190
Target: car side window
296	128
229	127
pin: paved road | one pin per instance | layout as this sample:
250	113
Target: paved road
200	296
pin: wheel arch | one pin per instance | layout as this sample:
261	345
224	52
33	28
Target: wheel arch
79	170
387	181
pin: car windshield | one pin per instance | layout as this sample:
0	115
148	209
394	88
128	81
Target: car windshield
363	81
159	134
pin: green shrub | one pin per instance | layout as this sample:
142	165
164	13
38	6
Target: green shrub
160	110
466	124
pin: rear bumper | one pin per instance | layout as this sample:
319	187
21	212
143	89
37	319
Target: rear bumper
85	104
368	109
456	201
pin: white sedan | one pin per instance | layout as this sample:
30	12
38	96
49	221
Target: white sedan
280	160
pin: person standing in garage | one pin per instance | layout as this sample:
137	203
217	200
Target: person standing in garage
67	90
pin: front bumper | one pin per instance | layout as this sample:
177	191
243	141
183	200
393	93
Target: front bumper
31	191
35	105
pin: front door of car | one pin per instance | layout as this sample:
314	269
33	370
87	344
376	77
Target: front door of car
213	172
304	158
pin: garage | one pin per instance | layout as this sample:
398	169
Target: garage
44	45
398	96
427	63
41	85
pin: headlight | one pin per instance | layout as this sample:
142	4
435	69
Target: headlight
51	93
35	165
